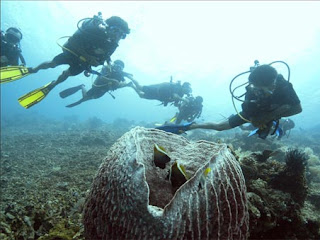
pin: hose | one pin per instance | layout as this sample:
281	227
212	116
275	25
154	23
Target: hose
286	66
69	50
256	62
238	98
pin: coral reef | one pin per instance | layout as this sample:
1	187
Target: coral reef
276	197
293	178
47	169
131	197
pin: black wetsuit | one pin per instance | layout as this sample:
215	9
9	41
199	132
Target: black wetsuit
256	105
90	43
189	111
163	92
11	51
100	86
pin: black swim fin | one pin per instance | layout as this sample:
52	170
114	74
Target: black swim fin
12	73
70	91
75	103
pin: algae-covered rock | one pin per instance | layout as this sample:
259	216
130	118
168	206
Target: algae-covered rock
61	231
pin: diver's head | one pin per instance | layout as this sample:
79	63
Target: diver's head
186	88
117	28
118	65
288	124
264	78
13	35
198	99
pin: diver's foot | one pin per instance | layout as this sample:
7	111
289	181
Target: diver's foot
130	84
31	70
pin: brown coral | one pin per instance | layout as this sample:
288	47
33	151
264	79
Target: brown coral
131	198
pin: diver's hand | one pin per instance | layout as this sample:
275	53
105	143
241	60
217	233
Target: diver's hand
115	84
186	100
4	59
259	122
94	62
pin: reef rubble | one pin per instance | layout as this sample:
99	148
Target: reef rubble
47	171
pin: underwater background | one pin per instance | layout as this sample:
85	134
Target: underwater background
206	44
50	153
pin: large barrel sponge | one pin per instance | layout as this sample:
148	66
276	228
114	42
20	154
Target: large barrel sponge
132	198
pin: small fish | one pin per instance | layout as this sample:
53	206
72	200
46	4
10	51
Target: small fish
203	177
160	156
177	175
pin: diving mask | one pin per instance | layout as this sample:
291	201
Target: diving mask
117	33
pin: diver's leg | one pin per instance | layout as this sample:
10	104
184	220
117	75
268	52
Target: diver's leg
224	125
74	70
84	99
76	103
137	88
178	119
63	76
44	65
84	91
69	91
86	95
137	85
140	93
62	58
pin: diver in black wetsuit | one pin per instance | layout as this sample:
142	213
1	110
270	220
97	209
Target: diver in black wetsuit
189	110
91	45
167	92
10	47
269	97
111	78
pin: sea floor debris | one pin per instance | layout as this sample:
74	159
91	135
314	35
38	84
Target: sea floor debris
47	170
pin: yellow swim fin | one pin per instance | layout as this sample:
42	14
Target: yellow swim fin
12	73
173	119
35	96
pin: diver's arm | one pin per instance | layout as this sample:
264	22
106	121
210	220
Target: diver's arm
291	110
199	114
137	87
176	97
23	61
4	61
109	80
122	84
283	111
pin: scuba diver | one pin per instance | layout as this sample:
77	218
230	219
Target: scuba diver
91	45
167	92
286	125
268	98
10	47
188	110
110	79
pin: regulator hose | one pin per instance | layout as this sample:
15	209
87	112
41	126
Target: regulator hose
232	91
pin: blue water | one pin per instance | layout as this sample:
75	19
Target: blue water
204	43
